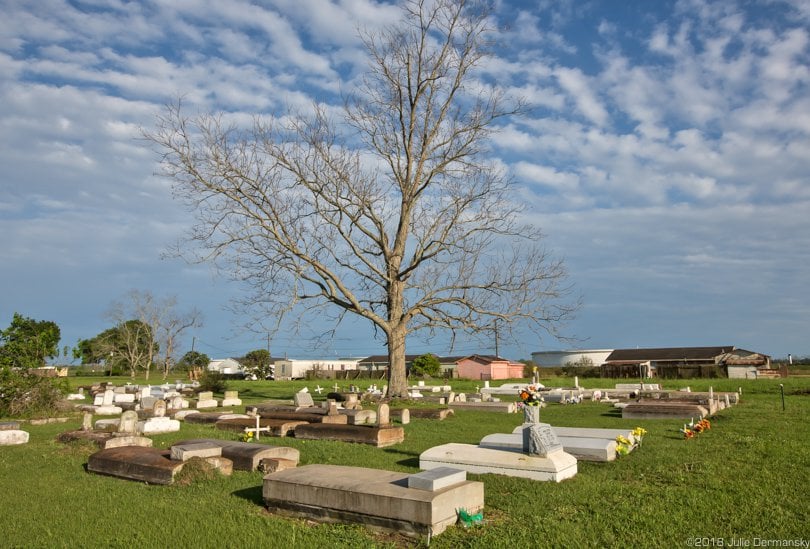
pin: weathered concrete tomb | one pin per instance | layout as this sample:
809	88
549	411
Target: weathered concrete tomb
248	456
151	465
422	504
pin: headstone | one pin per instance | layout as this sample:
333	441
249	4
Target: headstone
124	397
303	399
98	399
108	398
87	421
206	399
405	418
232	399
128	423
383	415
148	402
178	403
540	440
333	409
159	409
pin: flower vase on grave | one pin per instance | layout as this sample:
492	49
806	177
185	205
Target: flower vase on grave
531	414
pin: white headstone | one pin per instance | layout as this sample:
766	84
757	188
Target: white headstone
383	415
302	399
128	423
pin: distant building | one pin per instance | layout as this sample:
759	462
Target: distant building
226	367
294	368
685	362
558	359
485	367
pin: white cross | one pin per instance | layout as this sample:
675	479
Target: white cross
336	387
318	389
257	429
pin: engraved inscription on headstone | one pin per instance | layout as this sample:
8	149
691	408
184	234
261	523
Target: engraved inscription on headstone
540	440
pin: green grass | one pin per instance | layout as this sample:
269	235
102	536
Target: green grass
747	478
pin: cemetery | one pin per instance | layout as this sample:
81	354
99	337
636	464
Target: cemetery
566	464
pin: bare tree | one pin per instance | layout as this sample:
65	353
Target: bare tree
392	212
172	325
145	324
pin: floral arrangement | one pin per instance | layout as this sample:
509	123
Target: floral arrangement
530	396
691	429
624	445
247	436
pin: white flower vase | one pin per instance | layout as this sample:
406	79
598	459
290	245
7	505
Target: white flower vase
531	414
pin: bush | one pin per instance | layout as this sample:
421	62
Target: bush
212	381
426	365
24	394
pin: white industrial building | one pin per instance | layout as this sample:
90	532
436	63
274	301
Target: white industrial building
293	368
576	357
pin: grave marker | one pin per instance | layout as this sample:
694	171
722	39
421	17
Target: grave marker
383	415
303	399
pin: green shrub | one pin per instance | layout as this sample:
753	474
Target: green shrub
24	394
212	381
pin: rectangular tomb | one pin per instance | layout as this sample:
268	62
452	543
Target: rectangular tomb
372	497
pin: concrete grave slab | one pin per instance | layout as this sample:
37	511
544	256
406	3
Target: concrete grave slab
151	465
157	425
11	437
184	452
504	407
424	413
359	434
372	497
208	417
247	456
555	467
585	449
9	425
276	427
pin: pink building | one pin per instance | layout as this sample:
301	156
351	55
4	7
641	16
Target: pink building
488	367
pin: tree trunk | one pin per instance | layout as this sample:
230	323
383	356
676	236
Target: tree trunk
397	374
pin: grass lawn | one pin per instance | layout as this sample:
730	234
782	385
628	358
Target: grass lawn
745	481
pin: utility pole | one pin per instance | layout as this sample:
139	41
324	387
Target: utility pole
496	338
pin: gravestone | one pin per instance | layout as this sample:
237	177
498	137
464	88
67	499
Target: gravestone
178	403
205	399
108	398
405	416
148	402
159	409
87	421
303	399
232	399
383	415
540	440
128	423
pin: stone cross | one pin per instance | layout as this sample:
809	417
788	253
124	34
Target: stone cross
336	387
318	389
258	429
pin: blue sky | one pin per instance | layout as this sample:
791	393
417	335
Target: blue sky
666	157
